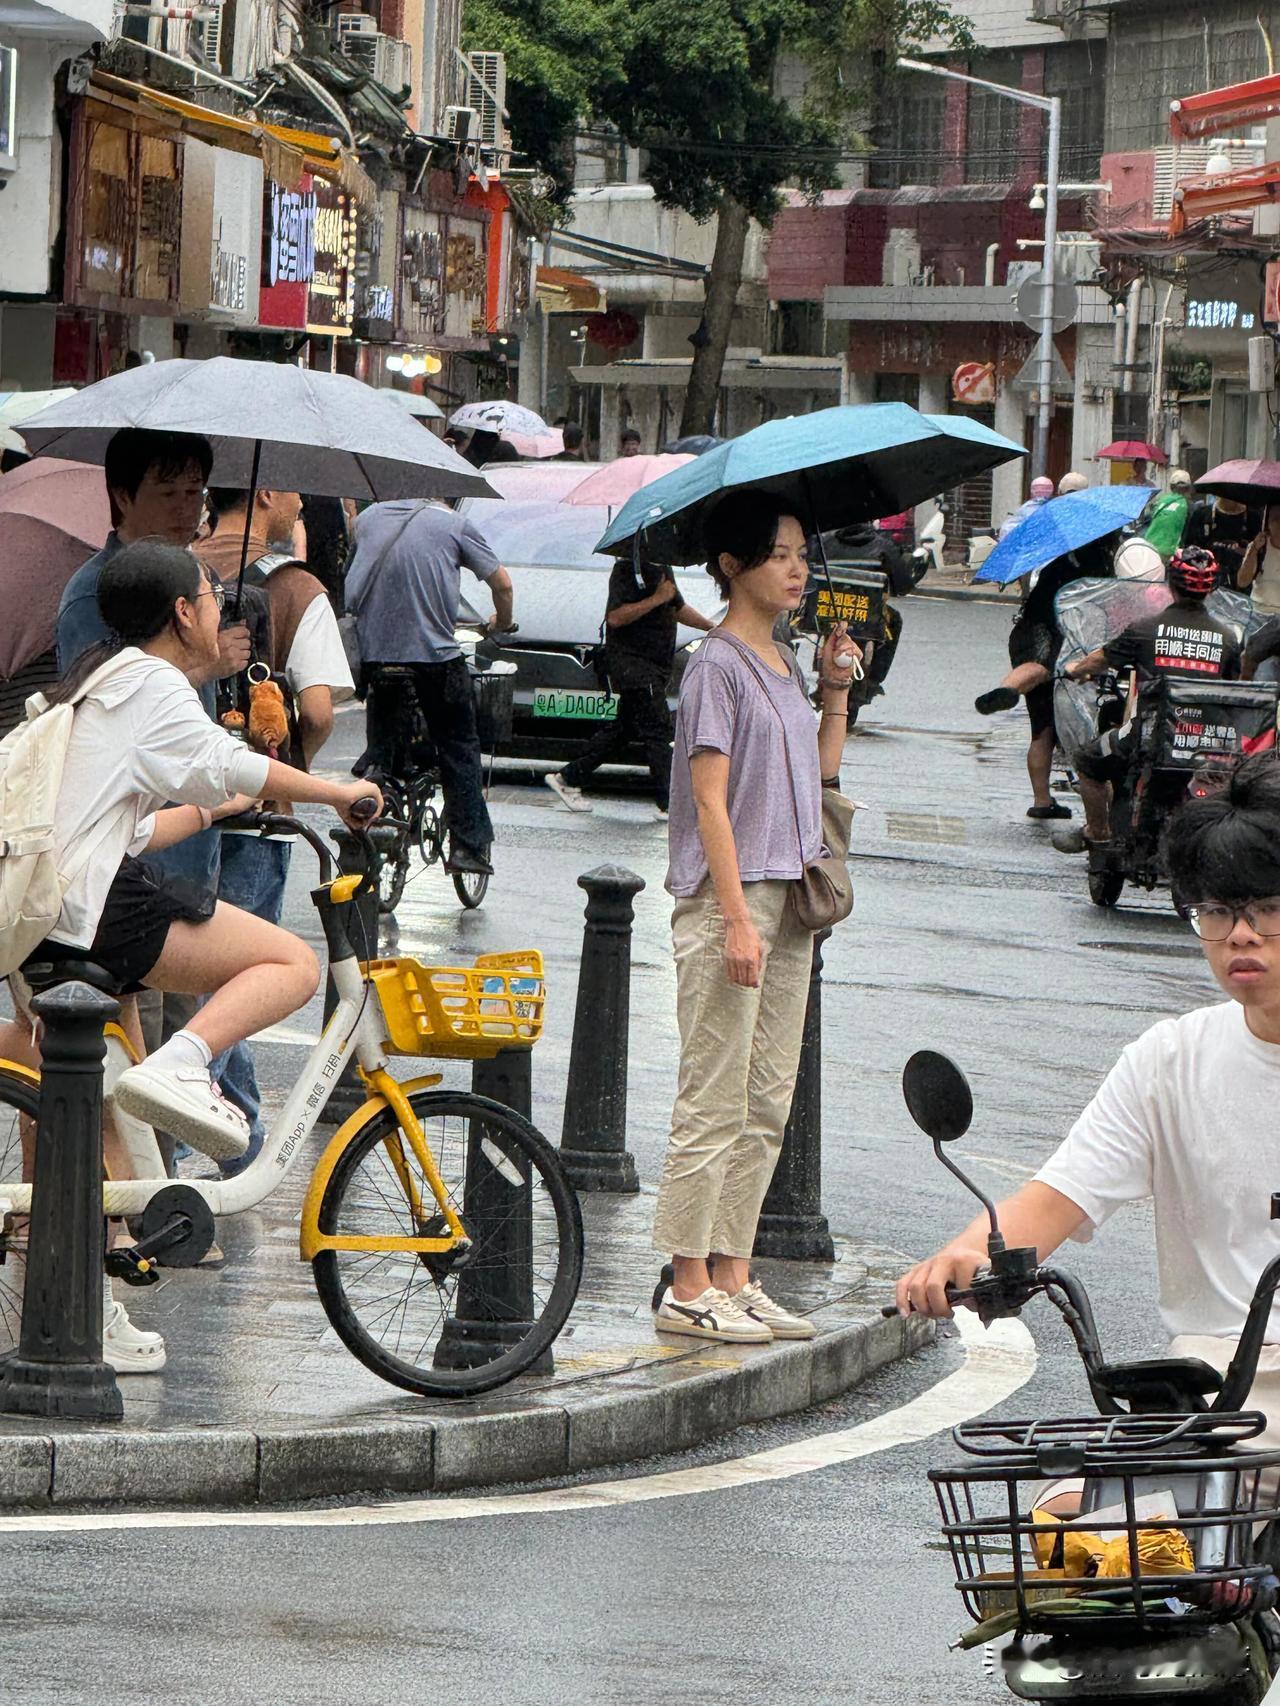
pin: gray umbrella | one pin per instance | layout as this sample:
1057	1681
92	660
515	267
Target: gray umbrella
271	426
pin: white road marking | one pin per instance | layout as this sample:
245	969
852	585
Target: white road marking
996	1363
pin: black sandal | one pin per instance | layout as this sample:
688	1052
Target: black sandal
1054	810
998	699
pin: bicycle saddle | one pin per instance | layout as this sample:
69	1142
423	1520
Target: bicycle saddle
47	974
1160	1385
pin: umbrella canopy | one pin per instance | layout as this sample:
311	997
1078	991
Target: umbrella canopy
1252	483
10	440
835	467
498	416
53	517
19	406
1062	525
271	426
537	446
420	407
1131	449
696	444
613	484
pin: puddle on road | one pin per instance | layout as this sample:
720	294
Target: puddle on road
926	826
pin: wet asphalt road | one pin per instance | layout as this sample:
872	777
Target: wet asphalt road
971	935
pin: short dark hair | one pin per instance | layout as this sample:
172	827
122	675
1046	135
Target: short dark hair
743	525
134	452
572	435
225	499
1226	846
630	433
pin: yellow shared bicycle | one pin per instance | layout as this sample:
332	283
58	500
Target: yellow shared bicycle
443	1235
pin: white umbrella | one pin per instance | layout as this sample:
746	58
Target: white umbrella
274	426
421	407
499	416
18	406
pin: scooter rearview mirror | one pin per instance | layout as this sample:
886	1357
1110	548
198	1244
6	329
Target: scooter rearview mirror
940	1101
937	1095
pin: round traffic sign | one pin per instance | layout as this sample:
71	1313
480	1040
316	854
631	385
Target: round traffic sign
1066	302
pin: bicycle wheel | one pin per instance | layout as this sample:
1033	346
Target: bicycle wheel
438	1324
430	834
19	1101
393	872
470	887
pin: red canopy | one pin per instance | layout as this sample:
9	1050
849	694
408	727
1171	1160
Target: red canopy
1217	110
1132	450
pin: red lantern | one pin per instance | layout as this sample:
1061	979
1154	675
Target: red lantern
613	330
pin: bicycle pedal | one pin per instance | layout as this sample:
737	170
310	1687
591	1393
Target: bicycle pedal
133	1269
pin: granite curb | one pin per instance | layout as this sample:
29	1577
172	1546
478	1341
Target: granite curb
596	1426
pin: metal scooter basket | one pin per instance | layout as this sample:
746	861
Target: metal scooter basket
1136	1559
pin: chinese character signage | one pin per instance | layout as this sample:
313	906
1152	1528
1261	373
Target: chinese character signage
331	298
288	253
128	217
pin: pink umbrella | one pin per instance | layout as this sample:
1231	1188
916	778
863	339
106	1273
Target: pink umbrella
53	517
1129	449
535	444
610	487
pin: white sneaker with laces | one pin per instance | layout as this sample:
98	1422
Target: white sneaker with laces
573	797
757	1305
186	1104
713	1315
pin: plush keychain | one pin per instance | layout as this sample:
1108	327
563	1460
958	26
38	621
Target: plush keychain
268	720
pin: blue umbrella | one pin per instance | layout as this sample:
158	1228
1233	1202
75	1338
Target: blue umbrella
1062	525
835	467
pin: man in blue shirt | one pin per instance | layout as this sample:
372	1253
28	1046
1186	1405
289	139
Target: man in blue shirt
403	585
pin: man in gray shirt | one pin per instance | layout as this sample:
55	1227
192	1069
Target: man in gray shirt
403	586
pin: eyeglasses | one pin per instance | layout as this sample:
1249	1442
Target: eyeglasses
1214	923
218	592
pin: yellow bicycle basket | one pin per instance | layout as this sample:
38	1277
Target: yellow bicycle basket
461	1012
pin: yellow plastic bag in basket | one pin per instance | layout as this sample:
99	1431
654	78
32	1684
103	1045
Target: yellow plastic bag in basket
1161	1552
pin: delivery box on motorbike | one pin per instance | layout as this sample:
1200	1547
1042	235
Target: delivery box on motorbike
861	595
1193	720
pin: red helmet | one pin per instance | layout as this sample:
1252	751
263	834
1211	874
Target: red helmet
1193	573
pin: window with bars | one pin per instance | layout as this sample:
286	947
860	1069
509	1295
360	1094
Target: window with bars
907	135
1076	73
1158	61
994	122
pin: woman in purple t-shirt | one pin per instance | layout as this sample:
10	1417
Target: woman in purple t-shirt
746	787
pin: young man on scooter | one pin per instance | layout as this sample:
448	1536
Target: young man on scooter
1187	1114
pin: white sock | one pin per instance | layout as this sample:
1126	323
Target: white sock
183	1051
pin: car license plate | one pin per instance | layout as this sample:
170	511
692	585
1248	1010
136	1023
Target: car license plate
565	702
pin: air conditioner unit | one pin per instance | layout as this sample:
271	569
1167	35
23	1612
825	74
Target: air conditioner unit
1189	160
387	59
461	124
208	35
485	91
348	24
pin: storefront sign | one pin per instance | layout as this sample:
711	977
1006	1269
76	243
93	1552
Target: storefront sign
129	215
1218	314
422	274
221	233
331	298
288	253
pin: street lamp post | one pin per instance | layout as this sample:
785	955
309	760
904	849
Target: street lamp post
1044	356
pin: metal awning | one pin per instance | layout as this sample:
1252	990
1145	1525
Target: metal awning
1224	192
560	291
1217	110
741	372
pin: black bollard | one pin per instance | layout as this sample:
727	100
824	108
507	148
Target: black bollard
792	1224
493	1308
594	1135
350	1092
58	1369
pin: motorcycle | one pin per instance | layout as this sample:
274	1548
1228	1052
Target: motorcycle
863	576
1181	726
1162	1588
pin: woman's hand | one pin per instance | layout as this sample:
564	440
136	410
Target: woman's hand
743	953
353	793
834	674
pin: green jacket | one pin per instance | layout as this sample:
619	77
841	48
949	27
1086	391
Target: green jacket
1167	523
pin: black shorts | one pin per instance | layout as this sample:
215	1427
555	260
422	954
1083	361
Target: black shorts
1040	708
1033	642
141	904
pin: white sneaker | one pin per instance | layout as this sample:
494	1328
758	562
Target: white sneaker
756	1305
573	797
186	1104
128	1349
713	1315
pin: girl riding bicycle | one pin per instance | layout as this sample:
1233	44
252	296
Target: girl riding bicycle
141	739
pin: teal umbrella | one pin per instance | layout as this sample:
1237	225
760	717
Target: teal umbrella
834	467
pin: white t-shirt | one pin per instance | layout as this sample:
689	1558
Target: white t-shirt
1190	1116
316	657
139	741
